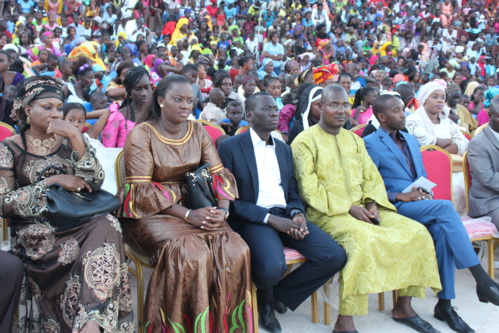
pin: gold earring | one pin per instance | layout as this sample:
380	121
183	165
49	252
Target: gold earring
161	105
28	120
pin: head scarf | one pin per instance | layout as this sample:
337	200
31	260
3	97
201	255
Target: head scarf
452	87
261	71
299	79
32	89
311	94
157	62
423	95
148	61
121	34
324	73
177	34
204	60
470	88
290	64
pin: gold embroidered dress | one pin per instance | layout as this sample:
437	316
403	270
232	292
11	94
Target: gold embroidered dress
201	278
74	276
336	172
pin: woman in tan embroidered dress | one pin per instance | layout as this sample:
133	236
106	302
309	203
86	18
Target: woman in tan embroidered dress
75	275
201	278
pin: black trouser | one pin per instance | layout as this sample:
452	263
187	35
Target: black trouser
11	278
325	258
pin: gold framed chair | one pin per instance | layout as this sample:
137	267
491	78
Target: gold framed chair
489	239
292	257
138	260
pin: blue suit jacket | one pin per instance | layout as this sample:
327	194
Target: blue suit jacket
238	156
390	161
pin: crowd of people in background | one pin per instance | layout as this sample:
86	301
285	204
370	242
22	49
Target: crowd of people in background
306	68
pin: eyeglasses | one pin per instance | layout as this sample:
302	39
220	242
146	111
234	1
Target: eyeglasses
337	106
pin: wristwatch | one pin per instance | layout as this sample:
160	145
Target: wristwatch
294	212
226	212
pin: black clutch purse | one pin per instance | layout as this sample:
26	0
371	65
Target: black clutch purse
73	208
200	188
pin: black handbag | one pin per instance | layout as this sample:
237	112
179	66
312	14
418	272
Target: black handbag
73	208
200	188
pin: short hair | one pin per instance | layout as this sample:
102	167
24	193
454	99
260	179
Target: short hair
94	96
346	74
380	103
189	68
250	102
234	104
332	88
52	57
243	60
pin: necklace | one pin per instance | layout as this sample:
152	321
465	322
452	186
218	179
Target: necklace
179	134
41	147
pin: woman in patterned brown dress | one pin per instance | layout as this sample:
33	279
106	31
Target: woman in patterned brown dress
201	278
75	277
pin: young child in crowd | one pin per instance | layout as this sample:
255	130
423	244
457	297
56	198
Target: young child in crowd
47	68
363	104
234	119
76	115
212	111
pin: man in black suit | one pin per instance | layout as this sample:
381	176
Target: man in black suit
269	214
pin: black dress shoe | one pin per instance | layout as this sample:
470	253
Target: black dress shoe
490	294
268	319
279	306
417	324
452	319
345	331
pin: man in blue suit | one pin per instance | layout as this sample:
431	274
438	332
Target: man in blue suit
400	163
269	214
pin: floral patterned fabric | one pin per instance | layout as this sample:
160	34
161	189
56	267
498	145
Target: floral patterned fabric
72	276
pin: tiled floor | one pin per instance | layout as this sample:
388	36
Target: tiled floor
484	318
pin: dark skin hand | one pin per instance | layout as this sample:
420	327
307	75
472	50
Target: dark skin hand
414	195
208	218
364	213
295	228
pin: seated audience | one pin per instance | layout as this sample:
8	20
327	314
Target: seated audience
346	198
269	215
212	111
202	267
134	108
308	111
77	273
235	116
483	157
396	155
431	125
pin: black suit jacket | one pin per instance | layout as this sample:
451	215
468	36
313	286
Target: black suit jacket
238	156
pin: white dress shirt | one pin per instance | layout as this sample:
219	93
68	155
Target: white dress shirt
270	192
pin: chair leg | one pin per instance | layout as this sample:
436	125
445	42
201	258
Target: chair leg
490	247
254	307
315	308
395	295
381	301
140	297
327	307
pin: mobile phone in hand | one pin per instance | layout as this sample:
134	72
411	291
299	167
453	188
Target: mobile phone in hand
374	220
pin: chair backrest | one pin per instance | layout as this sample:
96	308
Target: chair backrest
242	129
213	130
6	131
438	166
359	130
466	135
119	169
479	129
467	180
87	127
